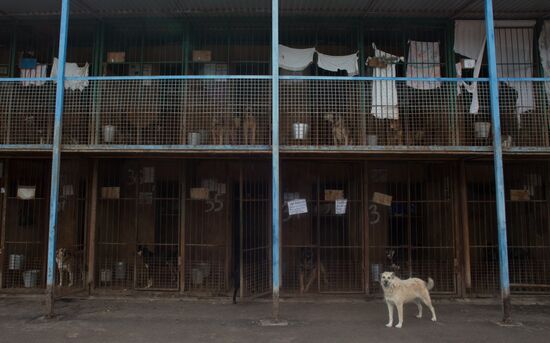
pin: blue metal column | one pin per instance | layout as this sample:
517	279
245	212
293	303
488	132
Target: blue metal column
56	158
499	177
275	153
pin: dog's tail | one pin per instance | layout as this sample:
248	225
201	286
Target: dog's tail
430	284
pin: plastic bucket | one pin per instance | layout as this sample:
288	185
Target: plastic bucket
300	130
482	129
30	278
372	139
194	138
16	262
109	133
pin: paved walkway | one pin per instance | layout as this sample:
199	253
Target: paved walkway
179	320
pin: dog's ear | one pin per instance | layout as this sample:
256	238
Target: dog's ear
392	275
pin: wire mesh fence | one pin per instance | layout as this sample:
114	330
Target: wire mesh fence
26	224
170	112
411	223
526	192
26	112
322	244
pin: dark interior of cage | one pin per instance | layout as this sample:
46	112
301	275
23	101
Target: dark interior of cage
528	234
411	231
321	233
71	248
26	223
138	216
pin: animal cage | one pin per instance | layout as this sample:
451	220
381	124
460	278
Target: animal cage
138	224
411	223
71	247
227	228
322	239
526	191
209	209
24	222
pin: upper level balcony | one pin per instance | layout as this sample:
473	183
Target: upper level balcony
198	77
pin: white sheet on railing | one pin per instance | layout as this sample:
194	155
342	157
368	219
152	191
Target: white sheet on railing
544	48
470	42
384	92
514	46
334	63
295	59
73	70
423	61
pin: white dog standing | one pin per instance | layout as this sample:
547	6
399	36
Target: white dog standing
398	292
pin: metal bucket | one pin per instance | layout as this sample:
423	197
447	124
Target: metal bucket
194	138
16	262
300	130
120	270
106	275
30	278
372	139
109	133
482	129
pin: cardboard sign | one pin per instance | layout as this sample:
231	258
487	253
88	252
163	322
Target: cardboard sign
333	194
199	193
110	192
519	195
381	199
340	206
297	206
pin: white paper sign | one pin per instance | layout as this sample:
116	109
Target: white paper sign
341	205
297	206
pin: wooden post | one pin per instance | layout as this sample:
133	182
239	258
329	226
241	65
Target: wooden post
465	227
366	250
241	233
92	228
183	199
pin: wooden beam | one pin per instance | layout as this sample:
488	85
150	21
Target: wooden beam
465	225
92	219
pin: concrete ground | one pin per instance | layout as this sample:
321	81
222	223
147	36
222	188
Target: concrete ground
136	320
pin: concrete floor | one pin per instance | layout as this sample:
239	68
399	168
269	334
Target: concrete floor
180	320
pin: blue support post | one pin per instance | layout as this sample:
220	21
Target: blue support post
275	153
499	175
56	158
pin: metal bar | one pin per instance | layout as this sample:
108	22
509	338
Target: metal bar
5	185
56	158
499	174
275	152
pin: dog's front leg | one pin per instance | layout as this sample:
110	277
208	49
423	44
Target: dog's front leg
60	270
70	278
399	314
390	314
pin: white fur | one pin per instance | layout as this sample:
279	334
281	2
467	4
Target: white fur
398	292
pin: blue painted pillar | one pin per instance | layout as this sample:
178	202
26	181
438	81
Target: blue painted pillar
275	153
56	158
499	175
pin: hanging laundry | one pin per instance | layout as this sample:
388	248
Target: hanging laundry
514	55
544	48
334	63
72	70
513	44
295	59
39	70
423	61
384	92
470	42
